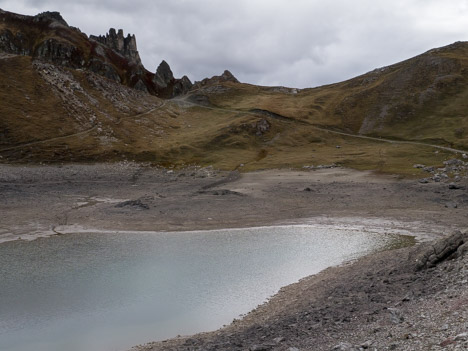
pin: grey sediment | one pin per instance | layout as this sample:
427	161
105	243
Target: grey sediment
378	302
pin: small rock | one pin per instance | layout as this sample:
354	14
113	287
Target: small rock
447	342
395	315
278	340
418	165
366	345
462	337
260	348
453	162
423	180
429	169
137	204
407	297
307	189
451	205
454	186
293	349
344	346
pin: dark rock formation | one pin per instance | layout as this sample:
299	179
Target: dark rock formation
181	86
163	76
103	69
167	84
14	43
49	38
126	46
60	53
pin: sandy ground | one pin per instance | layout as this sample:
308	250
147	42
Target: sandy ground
345	304
41	200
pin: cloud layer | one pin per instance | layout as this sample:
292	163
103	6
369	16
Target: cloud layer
299	43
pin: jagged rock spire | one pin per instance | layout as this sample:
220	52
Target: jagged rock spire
164	75
126	46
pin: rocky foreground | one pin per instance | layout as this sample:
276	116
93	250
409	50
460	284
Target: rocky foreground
408	299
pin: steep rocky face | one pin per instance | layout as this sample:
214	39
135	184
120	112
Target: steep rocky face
14	43
170	86
60	53
163	76
182	86
125	46
48	37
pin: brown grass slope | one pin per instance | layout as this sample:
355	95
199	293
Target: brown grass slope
423	99
53	113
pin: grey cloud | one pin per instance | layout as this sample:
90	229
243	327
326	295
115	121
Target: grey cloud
298	43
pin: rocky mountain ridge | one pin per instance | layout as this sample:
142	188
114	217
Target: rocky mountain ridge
48	37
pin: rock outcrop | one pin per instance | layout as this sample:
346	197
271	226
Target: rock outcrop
449	247
225	77
16	44
172	87
49	38
53	16
164	75
181	86
126	46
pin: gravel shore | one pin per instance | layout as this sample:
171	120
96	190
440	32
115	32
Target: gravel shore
379	302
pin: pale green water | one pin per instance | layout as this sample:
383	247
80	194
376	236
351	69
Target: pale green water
103	292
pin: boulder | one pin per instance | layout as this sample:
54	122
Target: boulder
431	254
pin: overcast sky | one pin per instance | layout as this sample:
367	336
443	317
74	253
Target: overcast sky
297	43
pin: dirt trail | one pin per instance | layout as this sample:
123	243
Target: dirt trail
184	103
83	132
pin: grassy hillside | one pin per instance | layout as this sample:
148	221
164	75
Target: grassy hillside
59	114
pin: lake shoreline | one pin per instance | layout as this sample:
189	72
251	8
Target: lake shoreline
316	313
43	200
378	302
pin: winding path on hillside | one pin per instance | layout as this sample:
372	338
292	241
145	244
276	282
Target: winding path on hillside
183	102
83	132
